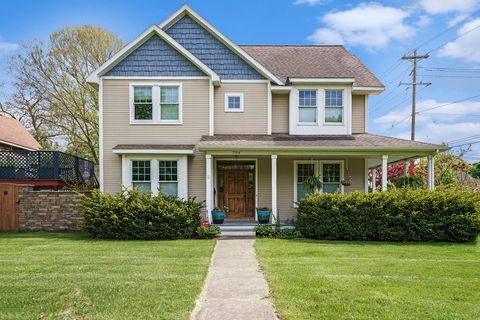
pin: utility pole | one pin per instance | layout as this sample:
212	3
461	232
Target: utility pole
414	84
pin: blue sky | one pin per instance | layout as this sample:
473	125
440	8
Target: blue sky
378	32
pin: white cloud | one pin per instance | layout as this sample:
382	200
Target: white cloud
449	114
6	47
424	21
445	6
325	35
467	47
310	2
371	25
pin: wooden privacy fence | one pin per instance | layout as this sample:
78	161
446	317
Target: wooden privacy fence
9	215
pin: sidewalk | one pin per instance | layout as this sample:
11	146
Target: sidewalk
234	289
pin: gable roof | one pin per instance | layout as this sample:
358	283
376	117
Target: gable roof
137	42
13	133
186	10
312	61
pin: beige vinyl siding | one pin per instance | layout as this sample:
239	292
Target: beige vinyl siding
117	130
280	104
356	169
264	182
358	114
285	166
253	120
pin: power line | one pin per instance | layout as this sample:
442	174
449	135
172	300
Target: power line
456	38
432	108
448	76
464	139
465	144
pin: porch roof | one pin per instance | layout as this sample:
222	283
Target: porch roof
356	143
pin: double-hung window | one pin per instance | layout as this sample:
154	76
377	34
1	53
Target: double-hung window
333	106
169	104
307	106
304	170
168	177
157	103
330	173
331	177
143	103
141	172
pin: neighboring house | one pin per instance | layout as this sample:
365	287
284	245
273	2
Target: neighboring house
14	136
186	111
23	161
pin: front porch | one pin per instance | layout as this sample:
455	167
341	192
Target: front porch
243	175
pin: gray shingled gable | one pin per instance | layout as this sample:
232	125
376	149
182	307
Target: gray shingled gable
155	58
208	49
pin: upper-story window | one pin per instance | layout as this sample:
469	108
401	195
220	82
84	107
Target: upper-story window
143	103
307	106
156	103
233	102
333	106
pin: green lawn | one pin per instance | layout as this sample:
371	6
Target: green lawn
367	280
69	276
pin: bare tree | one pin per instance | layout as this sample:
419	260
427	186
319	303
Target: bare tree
52	97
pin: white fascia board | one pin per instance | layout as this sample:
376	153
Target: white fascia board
281	89
152	151
144	36
18	146
185	9
322	80
367	90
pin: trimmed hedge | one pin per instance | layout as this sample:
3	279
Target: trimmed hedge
397	215
135	215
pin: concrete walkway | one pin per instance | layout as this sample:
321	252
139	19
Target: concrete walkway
235	289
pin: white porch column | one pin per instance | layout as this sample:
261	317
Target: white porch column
405	168
274	187
365	173
384	172
431	172
374	180
208	186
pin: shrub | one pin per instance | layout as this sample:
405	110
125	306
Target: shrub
264	231
136	215
289	233
397	215
208	232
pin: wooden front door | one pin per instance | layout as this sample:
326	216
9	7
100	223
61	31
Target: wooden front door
236	189
9	207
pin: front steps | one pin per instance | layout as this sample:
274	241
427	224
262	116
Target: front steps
237	230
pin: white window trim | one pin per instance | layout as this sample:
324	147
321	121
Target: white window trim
318	170
234	94
156	103
182	171
299	123
325	123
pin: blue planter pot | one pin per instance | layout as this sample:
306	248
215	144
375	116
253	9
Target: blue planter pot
218	216
263	216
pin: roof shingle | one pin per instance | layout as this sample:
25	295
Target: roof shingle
312	61
13	132
364	140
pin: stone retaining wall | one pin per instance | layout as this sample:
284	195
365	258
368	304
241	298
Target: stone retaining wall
49	210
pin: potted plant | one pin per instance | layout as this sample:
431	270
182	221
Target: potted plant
313	183
263	215
347	182
218	215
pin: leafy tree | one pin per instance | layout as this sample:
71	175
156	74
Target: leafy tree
52	97
475	170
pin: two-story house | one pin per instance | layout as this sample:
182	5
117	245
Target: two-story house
186	111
